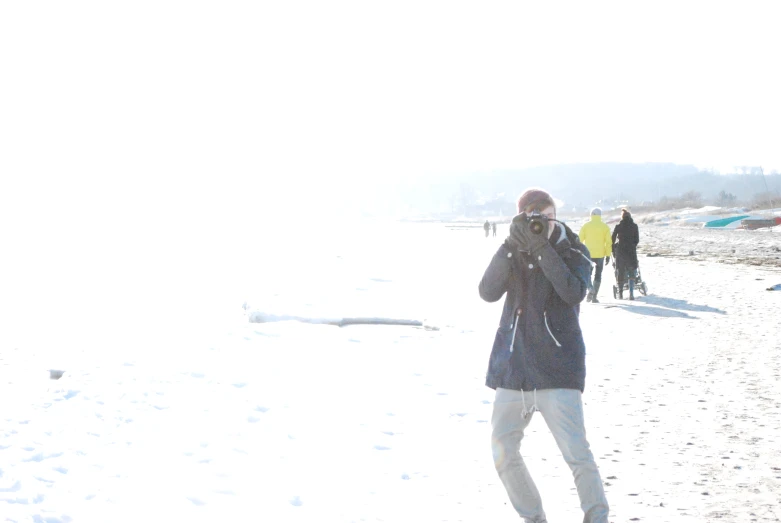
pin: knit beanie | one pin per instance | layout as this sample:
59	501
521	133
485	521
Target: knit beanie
536	197
596	211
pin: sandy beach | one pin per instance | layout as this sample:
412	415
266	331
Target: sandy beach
241	244
295	421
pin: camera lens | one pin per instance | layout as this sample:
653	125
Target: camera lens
536	226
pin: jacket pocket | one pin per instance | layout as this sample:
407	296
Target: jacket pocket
501	354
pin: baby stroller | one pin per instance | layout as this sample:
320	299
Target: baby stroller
640	285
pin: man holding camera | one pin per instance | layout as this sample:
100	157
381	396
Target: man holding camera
537	362
595	234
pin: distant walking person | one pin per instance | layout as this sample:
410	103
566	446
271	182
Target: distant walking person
596	235
486	228
493	228
625	239
538	359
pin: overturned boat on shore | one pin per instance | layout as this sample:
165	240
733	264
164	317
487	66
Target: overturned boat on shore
759	223
724	222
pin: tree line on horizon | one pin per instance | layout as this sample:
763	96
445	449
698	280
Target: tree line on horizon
647	186
578	186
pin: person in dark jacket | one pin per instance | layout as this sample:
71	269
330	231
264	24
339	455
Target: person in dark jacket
625	237
538	359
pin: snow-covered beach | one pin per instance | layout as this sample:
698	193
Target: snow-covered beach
290	420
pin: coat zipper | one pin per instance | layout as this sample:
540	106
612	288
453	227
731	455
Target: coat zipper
515	327
545	316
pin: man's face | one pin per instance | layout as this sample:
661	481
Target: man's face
550	213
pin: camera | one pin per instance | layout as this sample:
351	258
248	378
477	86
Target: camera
536	223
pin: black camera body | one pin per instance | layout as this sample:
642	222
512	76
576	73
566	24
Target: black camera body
536	223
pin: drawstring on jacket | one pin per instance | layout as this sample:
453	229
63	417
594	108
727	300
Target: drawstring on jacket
525	413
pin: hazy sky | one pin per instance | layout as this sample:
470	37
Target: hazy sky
170	94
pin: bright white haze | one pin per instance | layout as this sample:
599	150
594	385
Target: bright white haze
145	144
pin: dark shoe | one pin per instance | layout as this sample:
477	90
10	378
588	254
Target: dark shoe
589	297
594	300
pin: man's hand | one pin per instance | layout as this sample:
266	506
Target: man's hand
521	234
512	243
516	238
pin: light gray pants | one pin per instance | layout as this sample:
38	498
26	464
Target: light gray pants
562	410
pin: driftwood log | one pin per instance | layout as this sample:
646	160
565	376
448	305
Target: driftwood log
376	321
259	317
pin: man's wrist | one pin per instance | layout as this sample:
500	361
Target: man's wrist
538	246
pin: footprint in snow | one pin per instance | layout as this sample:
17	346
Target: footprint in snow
44	480
16	487
41	456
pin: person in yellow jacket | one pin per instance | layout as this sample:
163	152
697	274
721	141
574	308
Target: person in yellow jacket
596	235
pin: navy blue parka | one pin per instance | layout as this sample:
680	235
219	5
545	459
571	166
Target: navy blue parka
539	344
